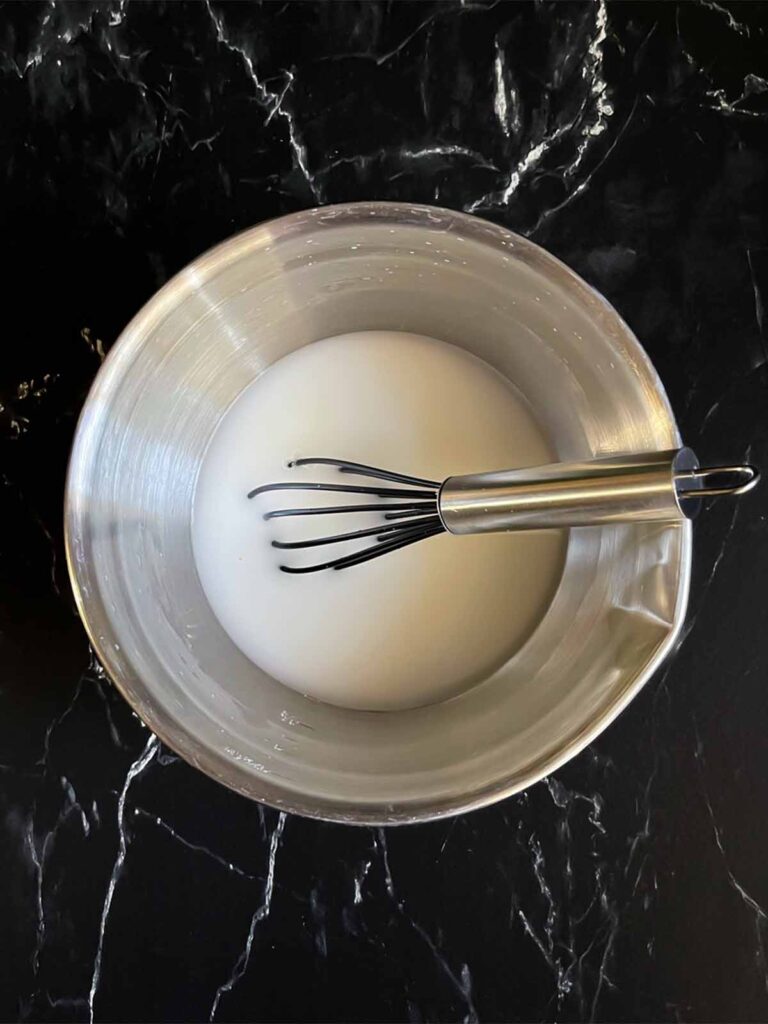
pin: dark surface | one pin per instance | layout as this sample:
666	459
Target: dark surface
631	886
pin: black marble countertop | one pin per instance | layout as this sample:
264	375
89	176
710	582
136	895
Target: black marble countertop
632	141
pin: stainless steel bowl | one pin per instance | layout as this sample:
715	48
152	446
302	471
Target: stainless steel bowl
158	399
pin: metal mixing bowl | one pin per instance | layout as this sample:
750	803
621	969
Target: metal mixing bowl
159	397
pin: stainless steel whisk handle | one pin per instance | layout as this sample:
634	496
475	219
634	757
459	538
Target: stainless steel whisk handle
650	487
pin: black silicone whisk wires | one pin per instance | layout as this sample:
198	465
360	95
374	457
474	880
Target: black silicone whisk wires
410	512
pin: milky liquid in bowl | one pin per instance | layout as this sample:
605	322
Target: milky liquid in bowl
417	625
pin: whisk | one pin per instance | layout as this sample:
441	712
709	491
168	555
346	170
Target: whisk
649	487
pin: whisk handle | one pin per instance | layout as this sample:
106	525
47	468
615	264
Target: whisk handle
657	487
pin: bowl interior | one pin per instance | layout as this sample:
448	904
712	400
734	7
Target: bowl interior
160	396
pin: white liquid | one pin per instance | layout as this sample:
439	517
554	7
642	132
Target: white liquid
411	627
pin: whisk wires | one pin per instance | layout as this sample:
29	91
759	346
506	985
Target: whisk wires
410	512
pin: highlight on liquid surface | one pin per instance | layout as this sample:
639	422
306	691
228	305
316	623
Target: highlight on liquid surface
412	627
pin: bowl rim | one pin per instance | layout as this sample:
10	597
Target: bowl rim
103	639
